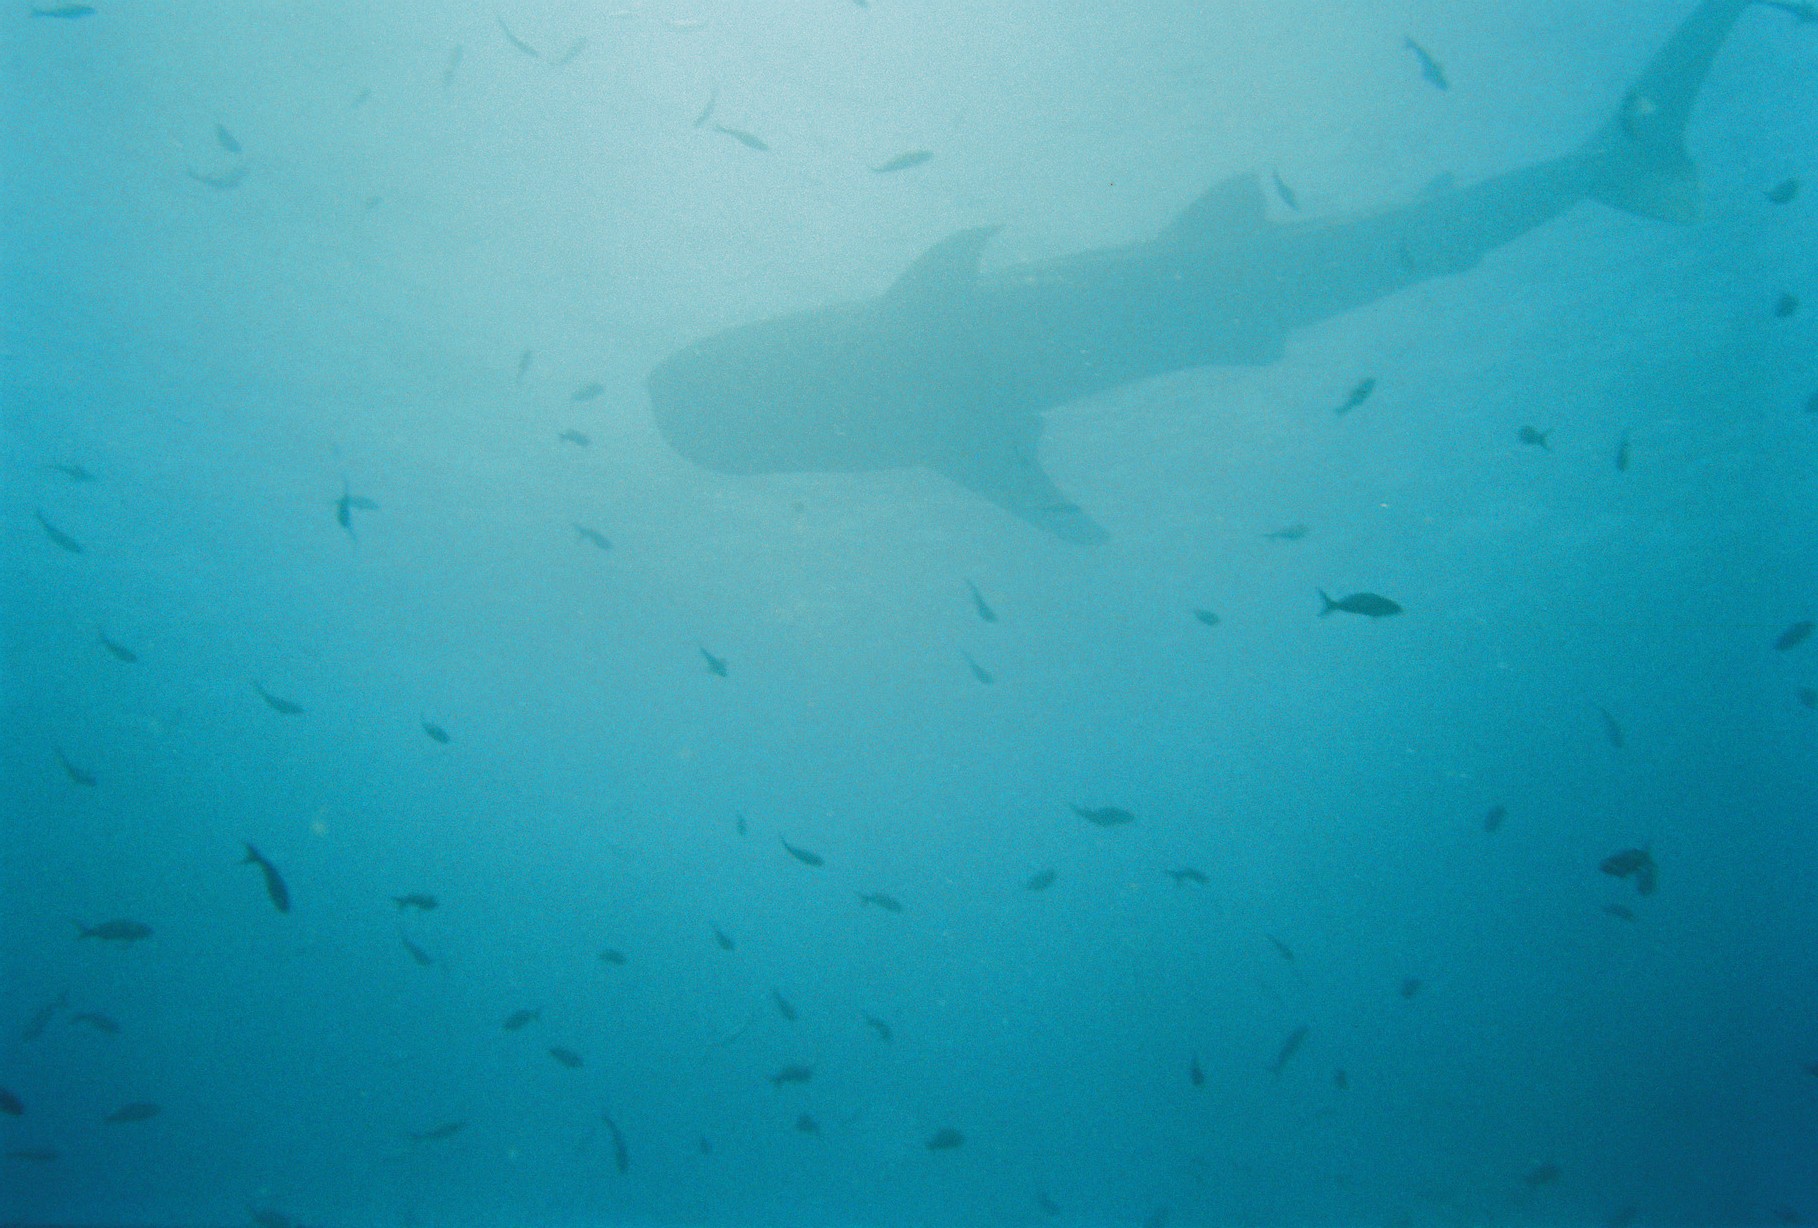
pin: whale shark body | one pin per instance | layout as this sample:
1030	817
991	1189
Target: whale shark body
952	370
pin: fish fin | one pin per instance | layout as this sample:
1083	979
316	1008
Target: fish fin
1008	473
1231	207
1329	604
942	274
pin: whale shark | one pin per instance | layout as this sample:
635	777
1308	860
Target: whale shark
952	368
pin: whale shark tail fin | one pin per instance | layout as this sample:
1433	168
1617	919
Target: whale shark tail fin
1643	167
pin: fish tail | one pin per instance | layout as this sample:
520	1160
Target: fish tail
1642	165
1329	605
252	857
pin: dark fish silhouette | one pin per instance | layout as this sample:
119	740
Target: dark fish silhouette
63	541
1358	396
99	1022
978	671
1637	864
274	882
945	1139
715	665
1622	912
348	504
978	603
593	537
1370	605
783	1006
448	70
220	181
226	140
1292	533
1410	986
115	931
1341	1080
1285	192
803	855
723	938
621	1155
277	703
1207	617
524	361
119	651
1544	1174
1534	437
794	1073
1289	1048
1808	696
416	900
1611	729
1048	1206
1187	874
76	775
417	953
578	438
515	41
75	473
520	1019
1493	818
747	139
713	99
1429	67
1041	880
567	1057
1196	1074
1795	635
1783	192
1281	948
65	11
805	1124
1105	816
587	392
41	1018
447	1129
1786	306
1622	453
888	903
877	1025
436	733
904	161
10	1104
138	1111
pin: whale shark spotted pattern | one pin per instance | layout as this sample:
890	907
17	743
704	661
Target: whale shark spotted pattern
951	370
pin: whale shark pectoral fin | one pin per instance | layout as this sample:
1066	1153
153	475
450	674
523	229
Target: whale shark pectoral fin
1232	208
1010	476
942	275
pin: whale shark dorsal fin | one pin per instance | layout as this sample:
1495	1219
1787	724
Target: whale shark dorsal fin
942	274
1231	207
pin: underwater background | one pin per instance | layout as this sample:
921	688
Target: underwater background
636	843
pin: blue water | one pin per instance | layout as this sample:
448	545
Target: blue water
218	345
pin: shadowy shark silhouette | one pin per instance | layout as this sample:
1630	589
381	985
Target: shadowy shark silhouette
951	370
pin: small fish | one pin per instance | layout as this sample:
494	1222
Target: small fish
1612	730
1410	986
514	40
75	473
713	99
888	903
613	956
1811	404
1544	1174
877	1025
715	665
117	650
567	57
1429	67
803	855
945	1139
417	953
37	1155
1292	533
1281	948
1341	1080
1105	816
1534	437
10	1104
1196	1074
586	392
115	931
1370	605
416	900
1358	396
1207	617
1047	1205
96	1020
138	1111
524	361
1289	1048
724	939
593	537
978	671
978	603
1783	192
521	1019
278	704
1187	874
454	62
66	11
349	503
447	1129
1633	863
63	541
226	140
805	1124
1041	880
1622	912
904	161
435	732
748	140
1808	696
706	1147
578	438
1492	819
1795	635
76	775
795	1073
274	882
1285	192
34	1027
783	1006
621	1155
567	1057
740	824
221	181
1786	306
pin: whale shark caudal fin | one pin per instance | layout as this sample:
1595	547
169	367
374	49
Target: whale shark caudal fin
1643	166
